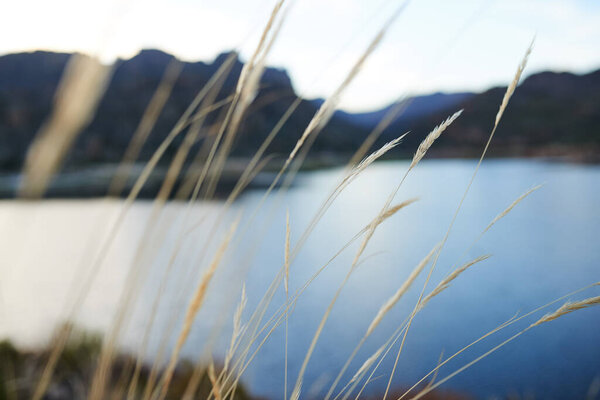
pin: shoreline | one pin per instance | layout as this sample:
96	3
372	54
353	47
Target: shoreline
93	181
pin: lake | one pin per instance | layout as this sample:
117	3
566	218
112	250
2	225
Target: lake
543	249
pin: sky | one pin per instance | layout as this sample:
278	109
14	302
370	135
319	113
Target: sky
435	45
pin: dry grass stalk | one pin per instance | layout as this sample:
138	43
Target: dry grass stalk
437	369
253	167
178	128
153	110
354	172
432	137
385	214
247	86
386	307
388	345
390	116
246	177
246	91
274	285
190	138
327	109
390	211
391	302
286	283
285	313
296	393
213	380
509	322
443	285
513	84
568	308
192	310
417	307
287	252
370	231
369	234
499	217
119	391
106	354
379	220
169	182
208	93
237	316
237	328
510	207
369	160
507	96
80	90
318	121
378	153
565	309
245	73
367	364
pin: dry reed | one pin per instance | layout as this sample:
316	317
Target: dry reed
151	114
425	145
369	234
443	285
508	94
568	308
565	309
213	380
377	221
79	93
83	288
314	126
50	147
327	109
367	364
432	137
391	302
510	207
286	258
192	310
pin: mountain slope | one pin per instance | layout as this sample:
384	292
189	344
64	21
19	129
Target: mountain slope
549	114
28	82
416	107
557	111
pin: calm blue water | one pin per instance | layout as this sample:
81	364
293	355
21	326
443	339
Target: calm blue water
545	248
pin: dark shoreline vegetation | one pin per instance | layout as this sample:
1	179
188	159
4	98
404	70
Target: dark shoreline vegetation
553	115
21	369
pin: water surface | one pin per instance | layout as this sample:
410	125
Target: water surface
545	248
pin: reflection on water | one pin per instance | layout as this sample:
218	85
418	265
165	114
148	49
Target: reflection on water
545	248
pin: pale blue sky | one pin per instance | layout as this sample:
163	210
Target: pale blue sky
434	45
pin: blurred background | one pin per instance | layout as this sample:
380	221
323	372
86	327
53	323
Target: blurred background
149	61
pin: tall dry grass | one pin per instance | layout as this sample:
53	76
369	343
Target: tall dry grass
78	96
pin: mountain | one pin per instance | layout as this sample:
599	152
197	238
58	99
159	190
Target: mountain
414	108
550	113
28	82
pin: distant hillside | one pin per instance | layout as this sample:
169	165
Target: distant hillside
556	114
28	82
550	113
415	107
